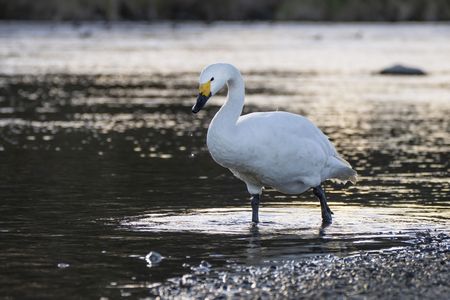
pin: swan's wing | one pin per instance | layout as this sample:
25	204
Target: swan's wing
283	147
286	147
283	127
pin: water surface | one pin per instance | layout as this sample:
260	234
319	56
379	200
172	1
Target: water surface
101	160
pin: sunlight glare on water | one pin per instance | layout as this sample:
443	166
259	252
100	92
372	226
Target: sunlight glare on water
349	219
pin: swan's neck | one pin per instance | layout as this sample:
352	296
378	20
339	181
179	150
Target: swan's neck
231	110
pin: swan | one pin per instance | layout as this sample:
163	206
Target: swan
279	149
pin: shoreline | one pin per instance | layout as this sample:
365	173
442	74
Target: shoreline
419	271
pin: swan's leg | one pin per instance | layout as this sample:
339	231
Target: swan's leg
326	211
255	199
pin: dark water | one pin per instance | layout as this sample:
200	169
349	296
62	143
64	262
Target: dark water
97	171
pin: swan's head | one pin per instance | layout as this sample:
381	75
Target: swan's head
212	79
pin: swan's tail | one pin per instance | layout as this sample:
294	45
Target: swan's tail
341	170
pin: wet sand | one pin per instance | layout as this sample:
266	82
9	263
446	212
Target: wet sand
419	271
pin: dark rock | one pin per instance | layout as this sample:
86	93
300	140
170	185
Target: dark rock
402	70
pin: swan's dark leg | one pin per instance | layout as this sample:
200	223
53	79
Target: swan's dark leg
326	211
255	207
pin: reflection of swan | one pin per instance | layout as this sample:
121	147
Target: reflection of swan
278	149
254	244
322	228
288	243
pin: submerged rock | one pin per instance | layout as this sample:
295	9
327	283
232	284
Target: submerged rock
402	70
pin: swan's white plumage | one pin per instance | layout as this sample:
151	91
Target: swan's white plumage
277	149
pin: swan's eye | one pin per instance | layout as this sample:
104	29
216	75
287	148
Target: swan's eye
212	78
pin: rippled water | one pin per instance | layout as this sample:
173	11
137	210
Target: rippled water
101	160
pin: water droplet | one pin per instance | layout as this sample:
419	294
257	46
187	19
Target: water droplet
63	265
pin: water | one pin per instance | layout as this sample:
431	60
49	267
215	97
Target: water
102	162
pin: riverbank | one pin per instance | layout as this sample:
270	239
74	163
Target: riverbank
287	10
419	271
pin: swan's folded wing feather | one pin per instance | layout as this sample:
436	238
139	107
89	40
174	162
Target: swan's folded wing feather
284	146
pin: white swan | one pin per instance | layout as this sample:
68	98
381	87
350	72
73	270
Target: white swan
277	149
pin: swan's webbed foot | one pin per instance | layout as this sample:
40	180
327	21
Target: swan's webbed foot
326	211
255	199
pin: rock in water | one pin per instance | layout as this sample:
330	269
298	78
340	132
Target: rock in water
402	70
153	258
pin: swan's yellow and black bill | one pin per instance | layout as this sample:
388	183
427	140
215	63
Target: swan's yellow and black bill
204	92
201	101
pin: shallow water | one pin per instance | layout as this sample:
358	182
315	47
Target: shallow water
101	160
